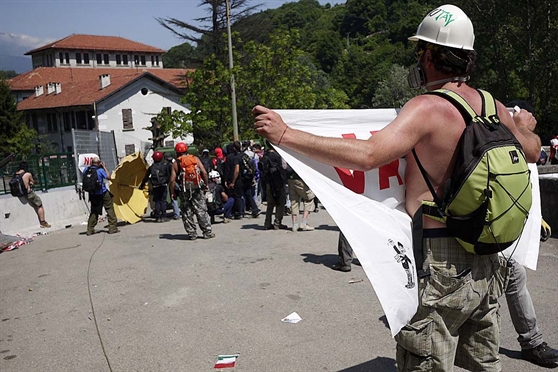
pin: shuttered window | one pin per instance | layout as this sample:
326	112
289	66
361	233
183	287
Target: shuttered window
127	123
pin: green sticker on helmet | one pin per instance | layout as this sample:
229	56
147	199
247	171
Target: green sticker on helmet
443	15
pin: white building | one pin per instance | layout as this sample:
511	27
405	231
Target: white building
123	98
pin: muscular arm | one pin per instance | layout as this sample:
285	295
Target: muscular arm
392	142
522	126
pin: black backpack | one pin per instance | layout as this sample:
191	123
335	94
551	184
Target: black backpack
17	186
159	174
90	181
248	167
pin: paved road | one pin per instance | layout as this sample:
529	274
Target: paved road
147	299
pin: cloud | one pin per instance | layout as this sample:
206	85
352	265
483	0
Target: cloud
17	44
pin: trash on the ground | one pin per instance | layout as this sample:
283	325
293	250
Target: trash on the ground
355	281
30	289
292	318
83	223
226	361
15	244
68	226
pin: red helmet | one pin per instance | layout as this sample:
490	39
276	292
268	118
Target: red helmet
181	148
157	156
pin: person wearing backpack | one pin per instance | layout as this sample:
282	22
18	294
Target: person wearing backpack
25	182
274	177
232	176
159	174
189	172
100	197
457	311
248	172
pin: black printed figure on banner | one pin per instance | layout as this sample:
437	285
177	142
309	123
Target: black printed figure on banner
402	258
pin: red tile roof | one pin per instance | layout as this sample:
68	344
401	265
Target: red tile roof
95	42
80	86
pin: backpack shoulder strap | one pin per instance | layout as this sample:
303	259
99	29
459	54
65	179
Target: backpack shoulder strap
459	102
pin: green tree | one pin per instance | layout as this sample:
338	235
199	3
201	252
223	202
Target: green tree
15	136
182	56
394	90
208	37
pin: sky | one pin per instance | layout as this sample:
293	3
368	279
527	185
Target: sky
28	24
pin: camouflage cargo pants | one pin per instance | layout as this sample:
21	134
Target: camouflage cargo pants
457	320
193	203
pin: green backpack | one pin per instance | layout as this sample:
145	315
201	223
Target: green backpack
487	200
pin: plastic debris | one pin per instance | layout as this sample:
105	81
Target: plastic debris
292	318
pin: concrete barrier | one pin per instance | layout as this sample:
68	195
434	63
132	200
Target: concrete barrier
62	206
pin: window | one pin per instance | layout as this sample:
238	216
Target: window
157	60
125	59
99	59
67	122
78	58
51	123
152	60
143	60
118	59
167	110
136	59
106	59
86	58
127	122
67	55
61	57
130	149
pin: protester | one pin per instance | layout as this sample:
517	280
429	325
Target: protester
159	174
248	170
554	147
233	181
520	304
457	324
273	172
298	190
174	202
192	178
30	196
102	198
220	203
345	252
206	161
218	161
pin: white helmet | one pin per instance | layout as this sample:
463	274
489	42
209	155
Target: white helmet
214	174
447	25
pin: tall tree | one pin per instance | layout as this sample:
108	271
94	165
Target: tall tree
208	36
15	136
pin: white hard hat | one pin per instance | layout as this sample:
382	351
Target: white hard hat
447	25
214	174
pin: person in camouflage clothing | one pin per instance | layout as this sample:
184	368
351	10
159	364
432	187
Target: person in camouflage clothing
192	201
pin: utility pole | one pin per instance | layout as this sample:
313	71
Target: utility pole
233	92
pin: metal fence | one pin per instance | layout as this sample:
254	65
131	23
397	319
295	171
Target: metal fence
93	142
49	171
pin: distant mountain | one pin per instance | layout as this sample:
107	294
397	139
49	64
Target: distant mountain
18	64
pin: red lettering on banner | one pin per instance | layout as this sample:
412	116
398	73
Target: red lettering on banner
87	161
387	171
353	181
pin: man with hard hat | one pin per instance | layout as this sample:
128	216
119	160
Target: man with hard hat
456	320
192	199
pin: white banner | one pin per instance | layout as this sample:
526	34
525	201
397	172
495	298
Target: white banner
369	208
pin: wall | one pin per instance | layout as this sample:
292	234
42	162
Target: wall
144	107
62	207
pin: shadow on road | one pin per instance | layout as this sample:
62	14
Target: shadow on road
174	236
325	259
378	364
